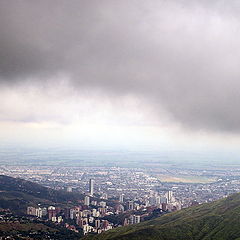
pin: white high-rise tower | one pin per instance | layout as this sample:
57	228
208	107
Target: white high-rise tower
91	181
169	196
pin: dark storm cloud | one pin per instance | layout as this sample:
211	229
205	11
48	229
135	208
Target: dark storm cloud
180	55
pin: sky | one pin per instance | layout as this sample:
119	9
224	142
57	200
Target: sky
125	74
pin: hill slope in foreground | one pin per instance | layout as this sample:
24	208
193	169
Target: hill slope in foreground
216	221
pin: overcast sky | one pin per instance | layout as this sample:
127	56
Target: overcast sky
160	73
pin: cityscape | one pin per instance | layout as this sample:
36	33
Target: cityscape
119	120
116	196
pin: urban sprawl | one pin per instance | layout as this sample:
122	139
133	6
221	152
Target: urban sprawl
114	197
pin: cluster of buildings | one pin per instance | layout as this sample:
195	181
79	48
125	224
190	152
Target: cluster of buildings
37	211
73	218
88	216
91	215
133	193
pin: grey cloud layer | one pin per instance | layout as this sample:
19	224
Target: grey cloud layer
182	55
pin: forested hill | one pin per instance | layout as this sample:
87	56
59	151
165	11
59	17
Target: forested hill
16	194
218	220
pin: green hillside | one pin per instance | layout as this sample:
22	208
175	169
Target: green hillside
216	221
18	202
36	190
16	194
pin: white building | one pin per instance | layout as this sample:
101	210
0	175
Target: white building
91	187
121	198
87	200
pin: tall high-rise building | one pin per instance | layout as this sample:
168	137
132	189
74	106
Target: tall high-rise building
158	201
51	213
137	219
169	196
39	212
87	200
134	219
121	198
131	219
31	211
91	188
130	205
97	223
72	213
